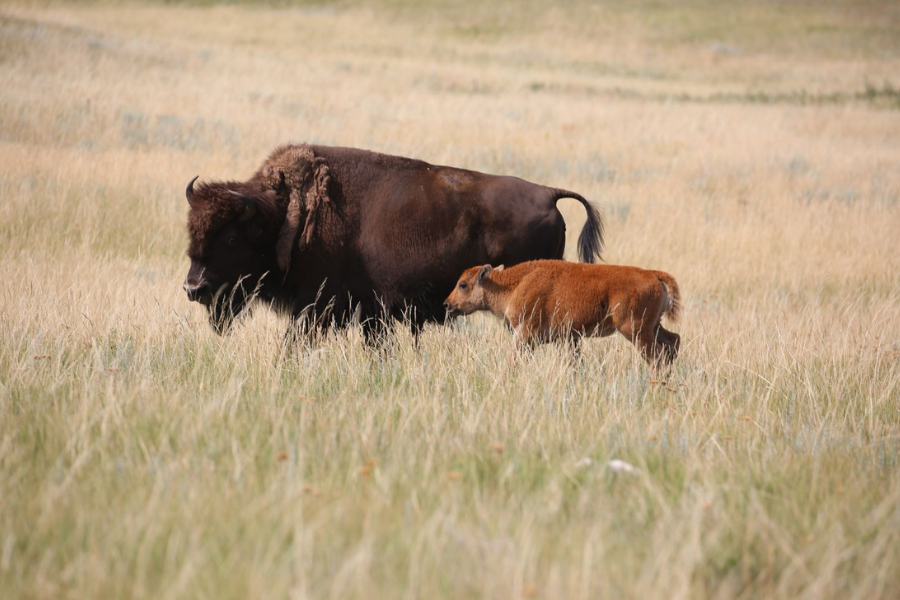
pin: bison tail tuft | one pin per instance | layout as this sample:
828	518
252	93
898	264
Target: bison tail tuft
590	242
672	308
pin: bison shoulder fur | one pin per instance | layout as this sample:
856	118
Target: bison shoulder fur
297	171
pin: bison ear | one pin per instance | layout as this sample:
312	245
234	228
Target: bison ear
499	268
249	206
189	191
483	272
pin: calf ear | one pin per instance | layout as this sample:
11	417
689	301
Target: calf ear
484	272
499	268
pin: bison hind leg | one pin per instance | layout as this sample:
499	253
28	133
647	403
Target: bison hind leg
661	352
658	346
669	342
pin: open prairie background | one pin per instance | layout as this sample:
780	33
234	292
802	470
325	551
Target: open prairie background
751	149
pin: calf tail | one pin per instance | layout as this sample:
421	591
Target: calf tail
590	242
672	301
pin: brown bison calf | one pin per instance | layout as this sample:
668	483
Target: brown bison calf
546	300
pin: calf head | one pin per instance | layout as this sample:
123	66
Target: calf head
468	295
231	229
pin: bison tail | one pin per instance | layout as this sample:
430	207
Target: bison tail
590	242
672	308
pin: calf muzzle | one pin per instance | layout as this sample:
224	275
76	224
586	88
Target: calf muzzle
451	310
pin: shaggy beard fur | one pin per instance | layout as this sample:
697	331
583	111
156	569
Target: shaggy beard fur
229	303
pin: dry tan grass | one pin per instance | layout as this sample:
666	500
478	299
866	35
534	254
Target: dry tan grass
751	152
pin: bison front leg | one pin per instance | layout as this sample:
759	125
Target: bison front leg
575	346
301	330
310	314
525	338
375	329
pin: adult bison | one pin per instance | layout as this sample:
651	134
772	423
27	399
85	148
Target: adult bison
333	232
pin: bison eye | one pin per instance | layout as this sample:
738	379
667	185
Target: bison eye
231	241
462	285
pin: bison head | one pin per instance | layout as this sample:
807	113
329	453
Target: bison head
232	229
468	295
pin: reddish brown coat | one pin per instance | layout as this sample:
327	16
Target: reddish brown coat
546	300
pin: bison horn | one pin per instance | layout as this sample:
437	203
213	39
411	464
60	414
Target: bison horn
249	205
189	192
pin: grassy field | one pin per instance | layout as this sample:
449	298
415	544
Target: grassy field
751	149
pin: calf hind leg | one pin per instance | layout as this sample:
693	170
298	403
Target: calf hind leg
668	343
657	346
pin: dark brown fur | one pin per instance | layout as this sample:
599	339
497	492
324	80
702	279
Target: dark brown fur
548	300
338	230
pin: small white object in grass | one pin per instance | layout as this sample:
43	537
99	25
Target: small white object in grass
620	466
584	463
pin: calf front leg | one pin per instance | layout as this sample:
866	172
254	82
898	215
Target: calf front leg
524	337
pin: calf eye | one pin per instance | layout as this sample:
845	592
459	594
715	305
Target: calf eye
462	285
